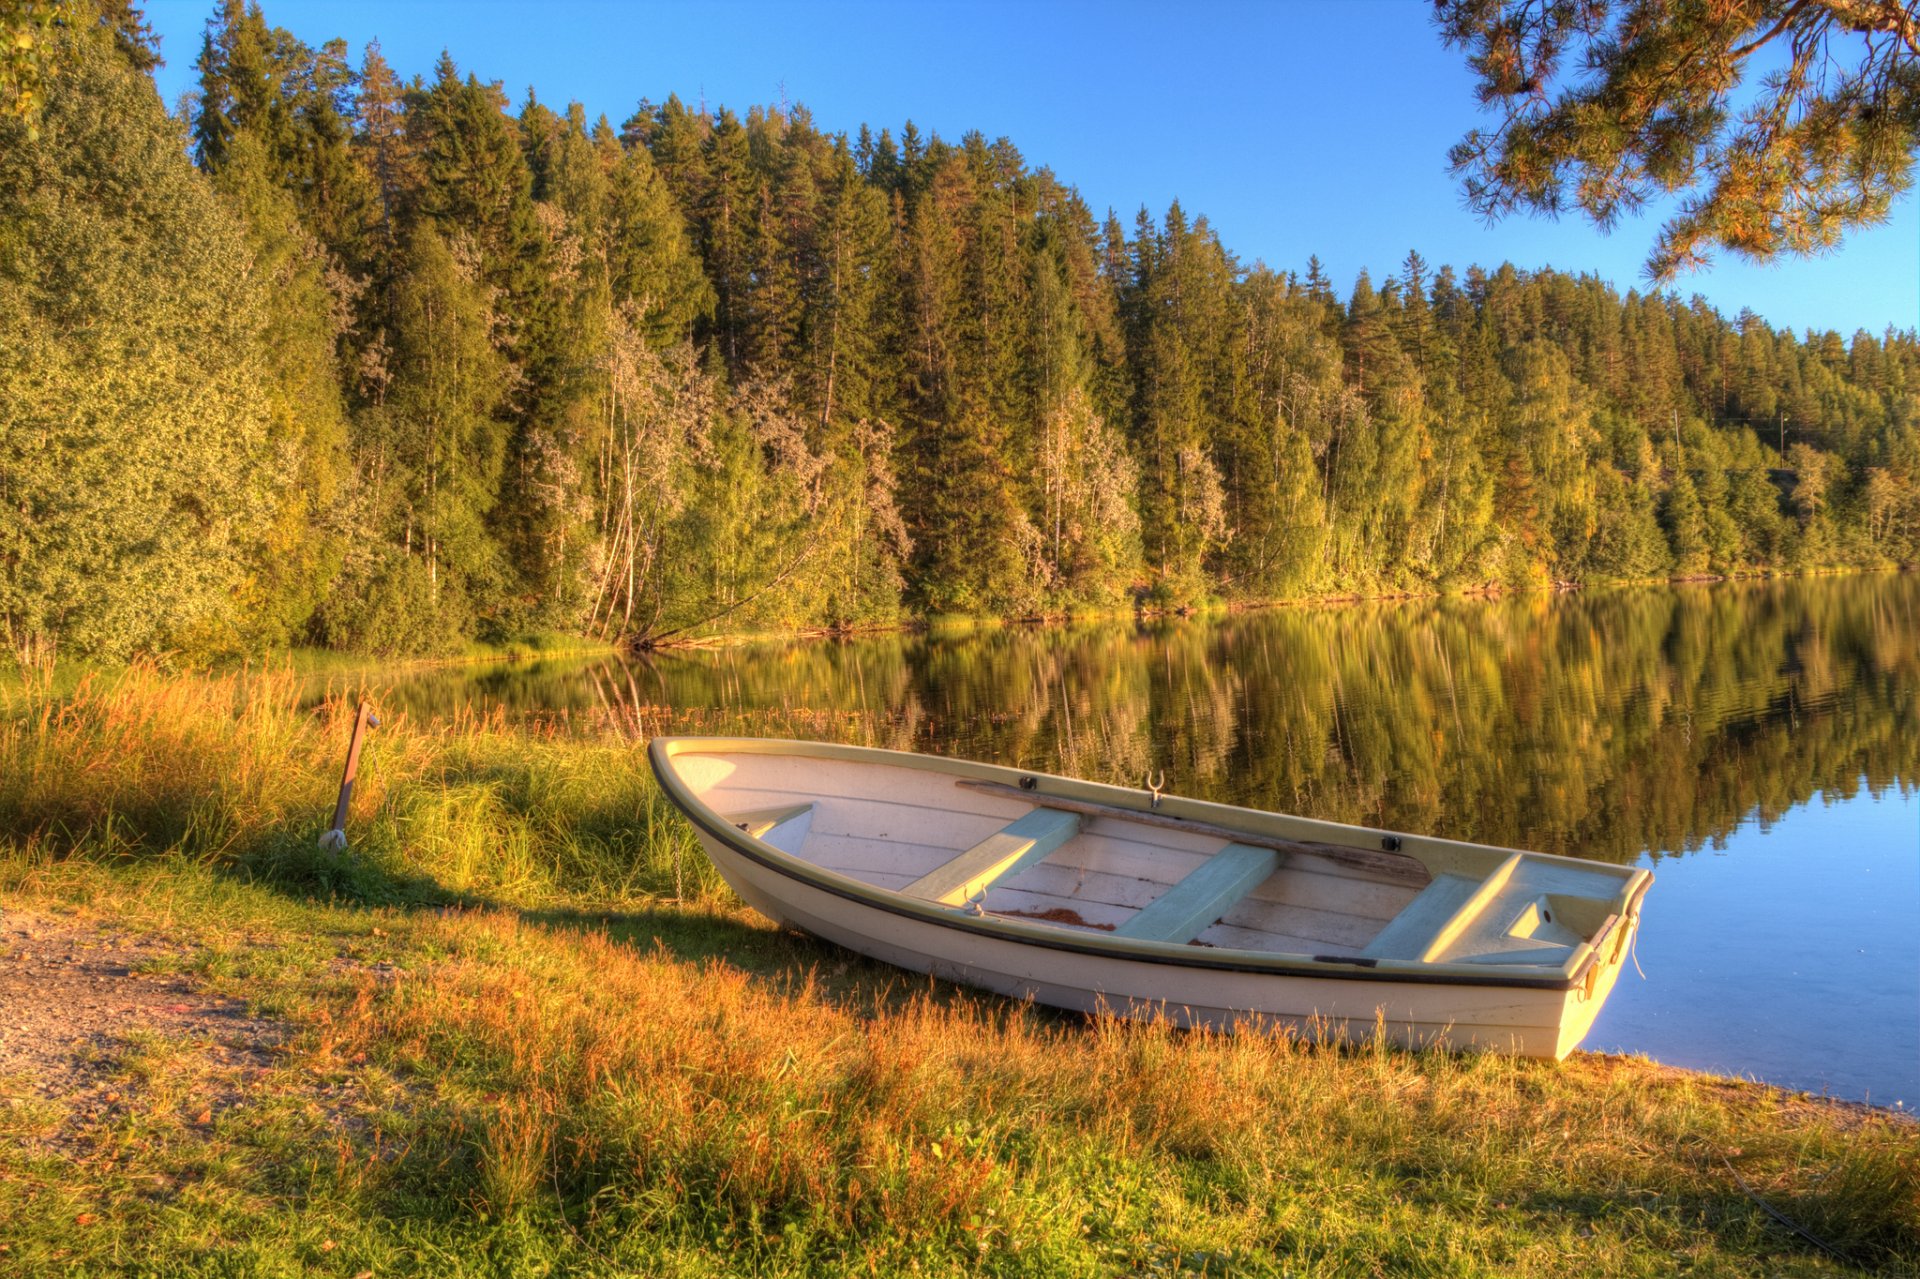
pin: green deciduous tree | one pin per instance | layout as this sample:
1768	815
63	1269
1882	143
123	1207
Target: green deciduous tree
138	472
304	306
27	44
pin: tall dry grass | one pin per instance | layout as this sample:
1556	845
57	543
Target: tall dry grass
652	1093
241	772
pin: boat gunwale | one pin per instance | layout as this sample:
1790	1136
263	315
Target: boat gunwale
661	752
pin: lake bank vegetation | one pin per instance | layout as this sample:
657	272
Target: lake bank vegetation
521	1024
382	362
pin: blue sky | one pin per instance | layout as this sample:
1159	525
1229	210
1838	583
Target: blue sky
1296	127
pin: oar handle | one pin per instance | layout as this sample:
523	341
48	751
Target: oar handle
336	836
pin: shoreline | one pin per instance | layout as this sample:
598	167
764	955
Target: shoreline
320	663
937	624
522	1019
947	624
55	922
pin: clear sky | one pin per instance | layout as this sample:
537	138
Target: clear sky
1295	126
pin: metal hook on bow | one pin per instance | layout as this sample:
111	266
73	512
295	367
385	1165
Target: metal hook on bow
1156	782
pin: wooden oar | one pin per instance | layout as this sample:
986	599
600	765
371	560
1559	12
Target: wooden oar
1397	867
335	838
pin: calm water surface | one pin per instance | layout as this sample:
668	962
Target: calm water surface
1756	744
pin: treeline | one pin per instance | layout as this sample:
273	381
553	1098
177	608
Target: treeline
379	363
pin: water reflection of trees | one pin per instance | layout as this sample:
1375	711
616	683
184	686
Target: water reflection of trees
1601	723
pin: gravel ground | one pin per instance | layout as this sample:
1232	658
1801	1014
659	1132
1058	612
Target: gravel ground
74	994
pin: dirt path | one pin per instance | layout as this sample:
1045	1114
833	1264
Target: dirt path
76	995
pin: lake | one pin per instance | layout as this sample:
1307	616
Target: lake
1756	743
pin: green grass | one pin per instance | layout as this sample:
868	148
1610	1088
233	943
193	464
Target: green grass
529	1032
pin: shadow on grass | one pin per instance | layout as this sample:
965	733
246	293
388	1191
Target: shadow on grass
788	961
713	929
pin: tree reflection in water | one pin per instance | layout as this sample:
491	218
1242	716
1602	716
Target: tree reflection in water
1603	723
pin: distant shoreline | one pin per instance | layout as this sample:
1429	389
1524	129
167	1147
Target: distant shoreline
564	647
937	623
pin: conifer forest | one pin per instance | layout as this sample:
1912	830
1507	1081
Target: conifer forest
377	358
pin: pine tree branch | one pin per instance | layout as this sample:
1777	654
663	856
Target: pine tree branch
1787	18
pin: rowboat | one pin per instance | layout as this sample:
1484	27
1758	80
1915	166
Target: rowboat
1105	898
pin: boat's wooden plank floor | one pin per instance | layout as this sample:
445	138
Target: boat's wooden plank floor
1197	902
893	833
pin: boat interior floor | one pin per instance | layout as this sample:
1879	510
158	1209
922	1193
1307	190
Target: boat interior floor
1111	870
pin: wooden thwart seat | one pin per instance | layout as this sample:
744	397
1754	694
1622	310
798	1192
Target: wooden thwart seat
1004	853
1207	892
1429	923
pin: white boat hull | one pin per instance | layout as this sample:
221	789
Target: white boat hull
1345	997
1529	1023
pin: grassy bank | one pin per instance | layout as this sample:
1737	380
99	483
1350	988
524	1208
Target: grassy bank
523	1029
